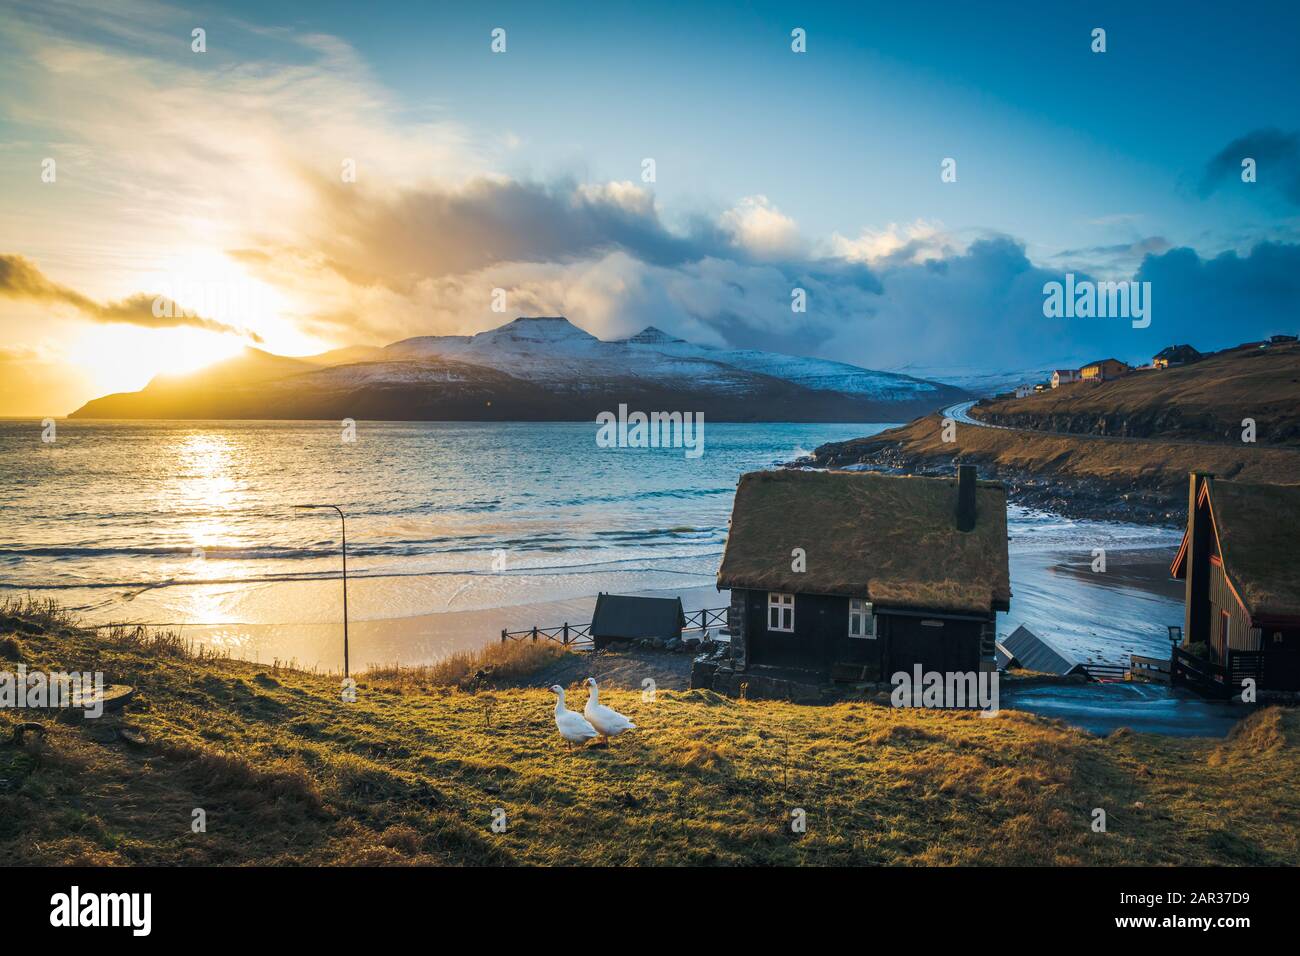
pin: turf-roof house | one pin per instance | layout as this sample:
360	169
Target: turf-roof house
856	576
1240	558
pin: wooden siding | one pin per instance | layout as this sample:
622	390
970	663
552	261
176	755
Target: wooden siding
821	640
1241	636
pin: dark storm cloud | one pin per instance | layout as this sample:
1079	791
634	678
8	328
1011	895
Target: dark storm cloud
1277	157
20	278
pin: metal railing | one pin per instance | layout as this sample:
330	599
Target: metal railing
578	636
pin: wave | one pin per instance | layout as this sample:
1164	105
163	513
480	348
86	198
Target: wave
587	567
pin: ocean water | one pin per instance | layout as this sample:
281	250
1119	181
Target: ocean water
195	524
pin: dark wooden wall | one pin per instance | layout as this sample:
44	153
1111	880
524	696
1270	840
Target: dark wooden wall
821	638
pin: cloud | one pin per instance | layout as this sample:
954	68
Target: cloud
916	242
1277	157
243	154
21	279
1114	260
761	229
1228	298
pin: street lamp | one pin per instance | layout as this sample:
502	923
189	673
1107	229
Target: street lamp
345	579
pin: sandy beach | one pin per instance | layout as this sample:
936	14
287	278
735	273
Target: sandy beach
1101	617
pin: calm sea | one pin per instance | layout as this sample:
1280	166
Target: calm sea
195	523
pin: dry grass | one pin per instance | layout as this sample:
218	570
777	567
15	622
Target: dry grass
1130	462
495	665
1204	401
28	613
288	773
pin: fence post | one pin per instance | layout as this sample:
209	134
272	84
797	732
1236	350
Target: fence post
566	633
503	635
534	633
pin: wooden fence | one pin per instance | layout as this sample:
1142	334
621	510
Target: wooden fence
1098	671
578	636
1205	676
1154	669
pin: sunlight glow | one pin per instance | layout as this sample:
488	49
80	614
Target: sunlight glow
123	358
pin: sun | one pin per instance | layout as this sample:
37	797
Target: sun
124	358
202	283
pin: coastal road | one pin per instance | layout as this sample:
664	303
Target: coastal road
960	413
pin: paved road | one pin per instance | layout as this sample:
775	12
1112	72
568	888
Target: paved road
960	413
1146	708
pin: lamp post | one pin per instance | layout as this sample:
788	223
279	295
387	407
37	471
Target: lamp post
345	579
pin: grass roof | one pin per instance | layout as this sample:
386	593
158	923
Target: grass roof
890	539
1258	527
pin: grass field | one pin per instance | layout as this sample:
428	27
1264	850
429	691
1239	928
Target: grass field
1205	401
1147	462
287	773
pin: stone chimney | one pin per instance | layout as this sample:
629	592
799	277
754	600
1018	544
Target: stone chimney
965	497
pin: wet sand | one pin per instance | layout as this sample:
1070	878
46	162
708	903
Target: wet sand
409	640
1104	616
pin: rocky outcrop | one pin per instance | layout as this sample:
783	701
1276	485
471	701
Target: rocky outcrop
1167	424
1144	501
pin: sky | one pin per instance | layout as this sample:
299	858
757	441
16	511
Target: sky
137	170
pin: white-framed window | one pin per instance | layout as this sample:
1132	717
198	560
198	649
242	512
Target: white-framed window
780	611
862	619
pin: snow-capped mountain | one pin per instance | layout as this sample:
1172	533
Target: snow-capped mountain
542	368
978	380
552	346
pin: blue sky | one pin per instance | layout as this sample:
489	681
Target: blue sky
1055	144
522	171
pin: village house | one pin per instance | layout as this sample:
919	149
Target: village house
1175	355
1024	391
1242	598
1103	370
1064	376
853	576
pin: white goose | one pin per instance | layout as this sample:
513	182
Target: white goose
607	720
572	725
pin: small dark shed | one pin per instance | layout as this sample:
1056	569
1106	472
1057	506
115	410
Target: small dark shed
1033	653
623	617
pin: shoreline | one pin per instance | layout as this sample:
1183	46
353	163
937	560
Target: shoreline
1132	480
1136	581
410	640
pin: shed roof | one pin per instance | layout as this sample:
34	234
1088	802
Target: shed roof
888	538
628	616
1037	654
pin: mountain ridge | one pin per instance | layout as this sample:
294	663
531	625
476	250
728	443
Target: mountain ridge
541	368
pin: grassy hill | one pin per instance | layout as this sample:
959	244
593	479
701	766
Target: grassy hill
1205	401
1123	479
411	773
